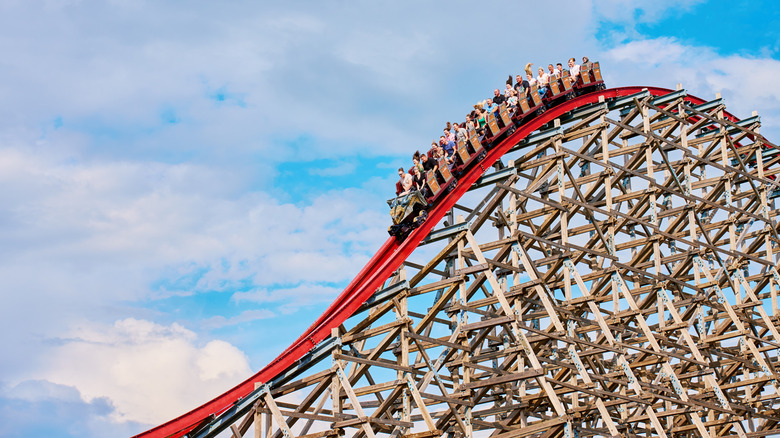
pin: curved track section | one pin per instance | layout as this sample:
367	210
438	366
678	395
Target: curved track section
388	259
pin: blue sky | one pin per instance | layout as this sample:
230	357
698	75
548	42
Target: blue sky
188	184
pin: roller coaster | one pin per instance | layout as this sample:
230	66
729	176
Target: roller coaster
637	296
408	213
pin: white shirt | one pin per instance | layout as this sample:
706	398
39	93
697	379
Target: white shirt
574	71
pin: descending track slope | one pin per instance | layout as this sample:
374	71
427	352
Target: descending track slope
388	259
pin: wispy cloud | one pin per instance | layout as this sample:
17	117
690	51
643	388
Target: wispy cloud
289	299
220	321
344	168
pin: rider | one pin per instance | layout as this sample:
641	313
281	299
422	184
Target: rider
406	181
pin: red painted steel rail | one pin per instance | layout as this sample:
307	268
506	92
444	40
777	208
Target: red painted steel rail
387	259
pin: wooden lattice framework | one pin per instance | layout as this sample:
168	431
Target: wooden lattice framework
616	274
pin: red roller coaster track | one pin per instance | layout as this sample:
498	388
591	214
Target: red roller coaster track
382	265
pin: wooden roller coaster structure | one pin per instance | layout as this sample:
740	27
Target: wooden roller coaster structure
610	268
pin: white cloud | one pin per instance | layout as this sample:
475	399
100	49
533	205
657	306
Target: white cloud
746	83
122	67
101	241
42	408
149	372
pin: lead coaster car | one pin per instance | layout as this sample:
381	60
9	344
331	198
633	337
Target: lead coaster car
408	212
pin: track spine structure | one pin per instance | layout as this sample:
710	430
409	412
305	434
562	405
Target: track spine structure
610	269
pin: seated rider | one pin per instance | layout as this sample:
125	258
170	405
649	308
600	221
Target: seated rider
481	121
498	98
460	132
406	181
449	134
417	162
530	79
574	70
586	61
428	164
543	82
490	107
520	84
511	101
508	89
417	179
469	124
448	147
418	175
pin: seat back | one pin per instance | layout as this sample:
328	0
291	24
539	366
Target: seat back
492	124
596	72
555	85
474	141
433	184
444	170
463	151
585	74
535	98
503	113
398	188
522	102
566	80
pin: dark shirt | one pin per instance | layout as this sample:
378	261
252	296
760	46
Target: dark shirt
498	100
428	164
418	179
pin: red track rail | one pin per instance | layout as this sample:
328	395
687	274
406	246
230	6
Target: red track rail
389	257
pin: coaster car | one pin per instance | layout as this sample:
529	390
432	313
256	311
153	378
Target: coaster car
408	212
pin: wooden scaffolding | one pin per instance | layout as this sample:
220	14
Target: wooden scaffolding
615	274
